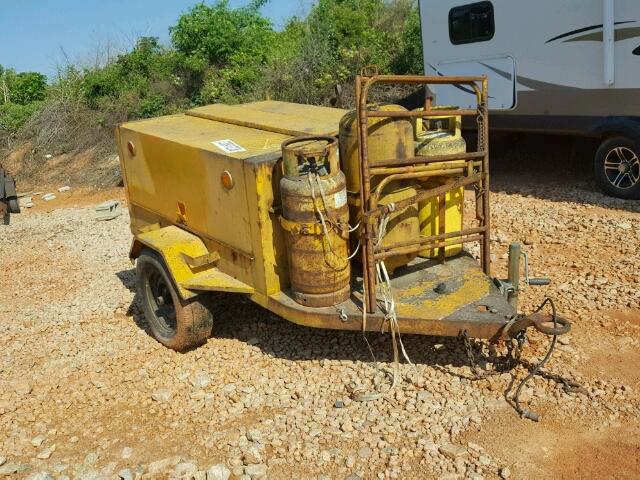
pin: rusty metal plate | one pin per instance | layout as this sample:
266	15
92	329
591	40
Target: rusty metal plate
431	299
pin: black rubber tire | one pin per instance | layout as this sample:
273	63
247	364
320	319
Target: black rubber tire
176	323
607	176
14	206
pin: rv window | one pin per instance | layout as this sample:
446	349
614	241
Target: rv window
471	23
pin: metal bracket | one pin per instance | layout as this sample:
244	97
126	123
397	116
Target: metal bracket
202	260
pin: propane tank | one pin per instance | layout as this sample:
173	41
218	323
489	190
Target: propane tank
402	224
315	217
388	138
436	135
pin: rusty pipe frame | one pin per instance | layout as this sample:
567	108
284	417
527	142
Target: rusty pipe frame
483	145
431	170
425	240
427	246
363	85
431	159
375	198
470	80
366	245
466	112
424	195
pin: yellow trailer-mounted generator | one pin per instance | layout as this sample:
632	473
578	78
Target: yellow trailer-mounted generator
277	201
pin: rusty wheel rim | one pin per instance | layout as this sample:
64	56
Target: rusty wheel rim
162	306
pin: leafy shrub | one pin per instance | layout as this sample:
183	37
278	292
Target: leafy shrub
235	42
14	115
28	87
152	106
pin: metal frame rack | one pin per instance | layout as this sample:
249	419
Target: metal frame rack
468	168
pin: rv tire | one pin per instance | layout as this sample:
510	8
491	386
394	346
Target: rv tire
617	167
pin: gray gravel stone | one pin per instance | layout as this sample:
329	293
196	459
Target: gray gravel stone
185	470
505	472
39	476
160	466
126	474
161	395
256	470
218	472
9	468
79	341
452	451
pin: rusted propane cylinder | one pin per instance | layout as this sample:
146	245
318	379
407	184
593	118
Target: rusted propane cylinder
315	217
437	135
388	138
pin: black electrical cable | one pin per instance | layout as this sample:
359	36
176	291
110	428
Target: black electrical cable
526	413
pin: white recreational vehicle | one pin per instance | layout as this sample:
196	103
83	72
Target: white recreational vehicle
562	66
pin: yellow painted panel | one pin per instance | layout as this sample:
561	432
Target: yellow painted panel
280	117
199	133
167	176
171	242
410	302
215	280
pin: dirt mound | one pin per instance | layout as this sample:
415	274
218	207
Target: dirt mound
36	170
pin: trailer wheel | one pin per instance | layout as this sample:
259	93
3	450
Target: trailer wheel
176	323
617	167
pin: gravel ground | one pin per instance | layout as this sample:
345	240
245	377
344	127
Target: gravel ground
85	392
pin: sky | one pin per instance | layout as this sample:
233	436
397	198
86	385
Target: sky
39	35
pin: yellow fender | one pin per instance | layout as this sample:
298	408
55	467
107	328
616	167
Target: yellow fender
190	264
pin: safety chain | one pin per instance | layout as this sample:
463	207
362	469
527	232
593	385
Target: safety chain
511	359
480	122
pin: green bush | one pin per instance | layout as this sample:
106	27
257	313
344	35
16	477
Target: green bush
14	115
410	60
28	87
21	88
132	72
152	106
236	42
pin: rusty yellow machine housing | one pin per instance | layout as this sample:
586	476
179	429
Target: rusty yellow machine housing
213	208
436	135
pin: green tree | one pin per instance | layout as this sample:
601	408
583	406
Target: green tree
142	80
223	49
410	58
28	87
7	77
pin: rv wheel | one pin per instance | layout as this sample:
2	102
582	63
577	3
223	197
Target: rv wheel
176	323
617	167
